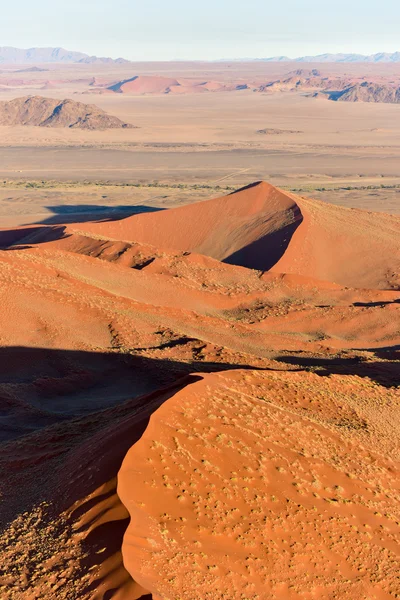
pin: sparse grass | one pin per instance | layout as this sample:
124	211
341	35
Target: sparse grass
343	188
53	184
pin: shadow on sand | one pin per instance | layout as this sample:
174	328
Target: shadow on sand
69	417
52	401
81	213
51	228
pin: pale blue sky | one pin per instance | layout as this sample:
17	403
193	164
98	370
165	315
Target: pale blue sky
203	29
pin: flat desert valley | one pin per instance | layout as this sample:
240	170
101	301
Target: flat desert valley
200	331
343	153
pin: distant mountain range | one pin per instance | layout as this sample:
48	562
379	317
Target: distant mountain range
380	57
19	56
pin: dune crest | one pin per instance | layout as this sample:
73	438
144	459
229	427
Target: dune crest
144	84
262	227
245	420
250	484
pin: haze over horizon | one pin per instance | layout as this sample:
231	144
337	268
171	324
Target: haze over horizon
209	31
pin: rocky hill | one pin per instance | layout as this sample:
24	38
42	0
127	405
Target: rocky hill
340	89
368	92
48	112
304	79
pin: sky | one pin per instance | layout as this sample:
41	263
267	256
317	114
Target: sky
203	29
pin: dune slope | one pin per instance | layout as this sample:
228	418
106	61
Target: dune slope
266	485
269	467
144	84
227	228
262	227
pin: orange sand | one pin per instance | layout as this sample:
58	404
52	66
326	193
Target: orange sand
264	485
262	227
273	473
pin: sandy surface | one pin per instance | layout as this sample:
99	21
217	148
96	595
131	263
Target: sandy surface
265	491
262	227
182	139
173	423
99	333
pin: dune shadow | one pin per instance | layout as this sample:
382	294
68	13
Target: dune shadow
16	247
82	213
379	303
249	186
385	372
60	457
57	386
264	253
56	457
52	401
22	238
51	228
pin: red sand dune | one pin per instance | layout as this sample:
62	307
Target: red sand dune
264	228
144	84
196	86
154	84
195	295
252	485
279	482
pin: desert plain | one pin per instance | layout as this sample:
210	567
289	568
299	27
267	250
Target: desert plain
331	150
200	333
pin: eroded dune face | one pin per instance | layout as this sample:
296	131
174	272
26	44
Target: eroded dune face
261	227
266	485
278	481
155	84
144	84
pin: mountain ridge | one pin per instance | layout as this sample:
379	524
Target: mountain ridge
22	56
378	57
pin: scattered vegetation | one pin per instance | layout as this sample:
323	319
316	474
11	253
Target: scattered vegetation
52	184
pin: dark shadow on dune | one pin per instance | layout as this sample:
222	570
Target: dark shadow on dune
51	228
51	386
182	341
264	253
18	239
246	187
117	86
389	353
52	456
381	303
386	373
52	401
13	237
16	247
71	213
48	455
